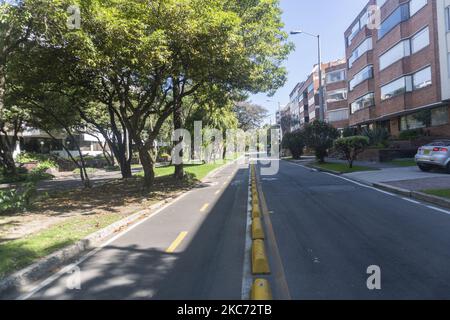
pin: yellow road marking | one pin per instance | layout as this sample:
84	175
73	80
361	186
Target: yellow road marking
205	206
177	242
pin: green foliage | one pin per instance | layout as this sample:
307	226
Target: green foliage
377	136
295	142
411	134
350	147
349	132
15	200
319	136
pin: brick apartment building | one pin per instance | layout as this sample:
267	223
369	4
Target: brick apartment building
399	74
336	84
304	106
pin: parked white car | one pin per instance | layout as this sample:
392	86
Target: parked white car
434	155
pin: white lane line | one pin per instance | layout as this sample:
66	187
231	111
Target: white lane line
411	200
91	253
246	273
439	209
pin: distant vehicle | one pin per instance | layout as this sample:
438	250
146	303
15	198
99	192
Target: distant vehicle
434	155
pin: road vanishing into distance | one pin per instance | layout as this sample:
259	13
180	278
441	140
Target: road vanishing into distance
323	232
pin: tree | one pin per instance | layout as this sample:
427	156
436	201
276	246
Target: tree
319	136
351	147
250	116
295	142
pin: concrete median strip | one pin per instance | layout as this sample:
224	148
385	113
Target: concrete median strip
257	229
261	290
260	263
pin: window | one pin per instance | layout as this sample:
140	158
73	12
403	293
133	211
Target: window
447	11
419	80
361	76
394	54
365	46
337	95
364	102
405	48
338	115
422	79
411	122
416	5
439	116
311	101
420	40
336	76
311	87
394	88
399	15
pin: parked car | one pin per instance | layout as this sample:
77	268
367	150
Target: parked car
434	155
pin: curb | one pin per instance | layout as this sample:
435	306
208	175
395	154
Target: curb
25	277
53	262
415	195
326	170
261	290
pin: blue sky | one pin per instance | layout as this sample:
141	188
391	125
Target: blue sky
329	18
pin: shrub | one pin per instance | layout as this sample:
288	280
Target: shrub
295	142
350	147
15	200
319	136
377	137
410	134
349	132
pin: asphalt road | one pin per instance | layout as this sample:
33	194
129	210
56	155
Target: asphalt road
193	249
329	231
323	233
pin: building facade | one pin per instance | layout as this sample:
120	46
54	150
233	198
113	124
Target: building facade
398	72
336	90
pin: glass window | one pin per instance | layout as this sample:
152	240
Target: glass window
439	116
447	10
338	115
336	76
422	79
364	102
420	40
365	46
311	101
380	3
399	15
355	31
416	5
394	54
361	76
393	89
311	87
337	95
411	122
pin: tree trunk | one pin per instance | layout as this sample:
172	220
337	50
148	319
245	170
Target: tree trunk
7	152
178	124
148	157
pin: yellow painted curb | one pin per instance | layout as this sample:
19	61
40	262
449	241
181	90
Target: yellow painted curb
261	290
255	202
260	263
256	213
257	229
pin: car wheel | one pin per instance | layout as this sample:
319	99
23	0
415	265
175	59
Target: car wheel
425	168
448	167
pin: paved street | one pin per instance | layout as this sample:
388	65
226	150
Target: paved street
193	249
330	230
327	232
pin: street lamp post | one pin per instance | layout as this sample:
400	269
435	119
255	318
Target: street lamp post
321	98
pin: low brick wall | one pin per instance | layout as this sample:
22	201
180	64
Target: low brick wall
386	155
